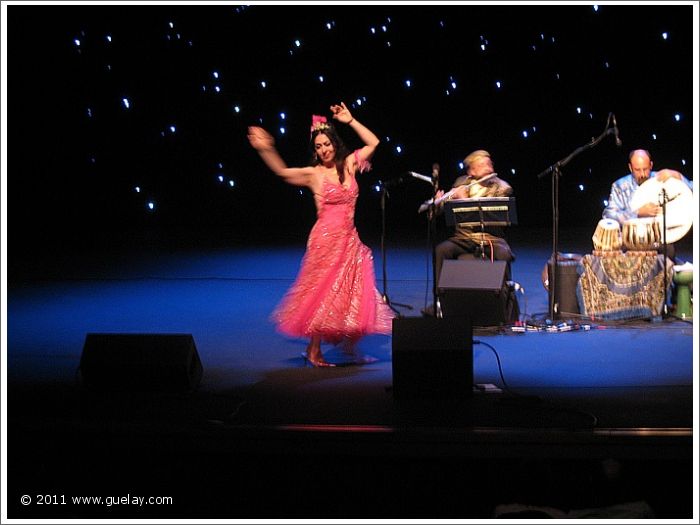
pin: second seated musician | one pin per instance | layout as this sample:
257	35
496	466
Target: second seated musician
619	207
489	245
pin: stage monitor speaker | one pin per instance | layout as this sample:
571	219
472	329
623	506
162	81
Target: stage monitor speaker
474	290
140	362
431	358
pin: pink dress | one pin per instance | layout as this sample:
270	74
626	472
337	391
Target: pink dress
334	295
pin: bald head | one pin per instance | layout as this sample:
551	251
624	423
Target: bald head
640	165
639	153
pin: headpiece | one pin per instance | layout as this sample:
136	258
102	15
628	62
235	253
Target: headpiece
318	123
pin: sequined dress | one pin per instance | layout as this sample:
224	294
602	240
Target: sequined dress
334	295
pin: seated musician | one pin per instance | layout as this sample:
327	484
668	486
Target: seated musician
623	189
490	245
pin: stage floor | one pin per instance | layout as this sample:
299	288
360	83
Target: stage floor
619	390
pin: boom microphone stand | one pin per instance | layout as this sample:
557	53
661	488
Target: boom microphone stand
555	170
434	181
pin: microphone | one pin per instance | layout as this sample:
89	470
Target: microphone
618	142
421	177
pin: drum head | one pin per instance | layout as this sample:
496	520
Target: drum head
609	224
679	205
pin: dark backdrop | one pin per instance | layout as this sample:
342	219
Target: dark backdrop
76	153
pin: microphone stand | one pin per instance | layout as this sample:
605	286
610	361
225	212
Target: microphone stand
555	170
664	200
385	295
432	232
433	243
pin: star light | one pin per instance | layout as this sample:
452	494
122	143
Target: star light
677	117
151	205
664	35
126	103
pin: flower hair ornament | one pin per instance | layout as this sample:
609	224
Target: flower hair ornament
318	123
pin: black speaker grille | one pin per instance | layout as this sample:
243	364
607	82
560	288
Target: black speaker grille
432	358
141	362
474	290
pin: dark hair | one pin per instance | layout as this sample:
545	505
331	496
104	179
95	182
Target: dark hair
341	151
